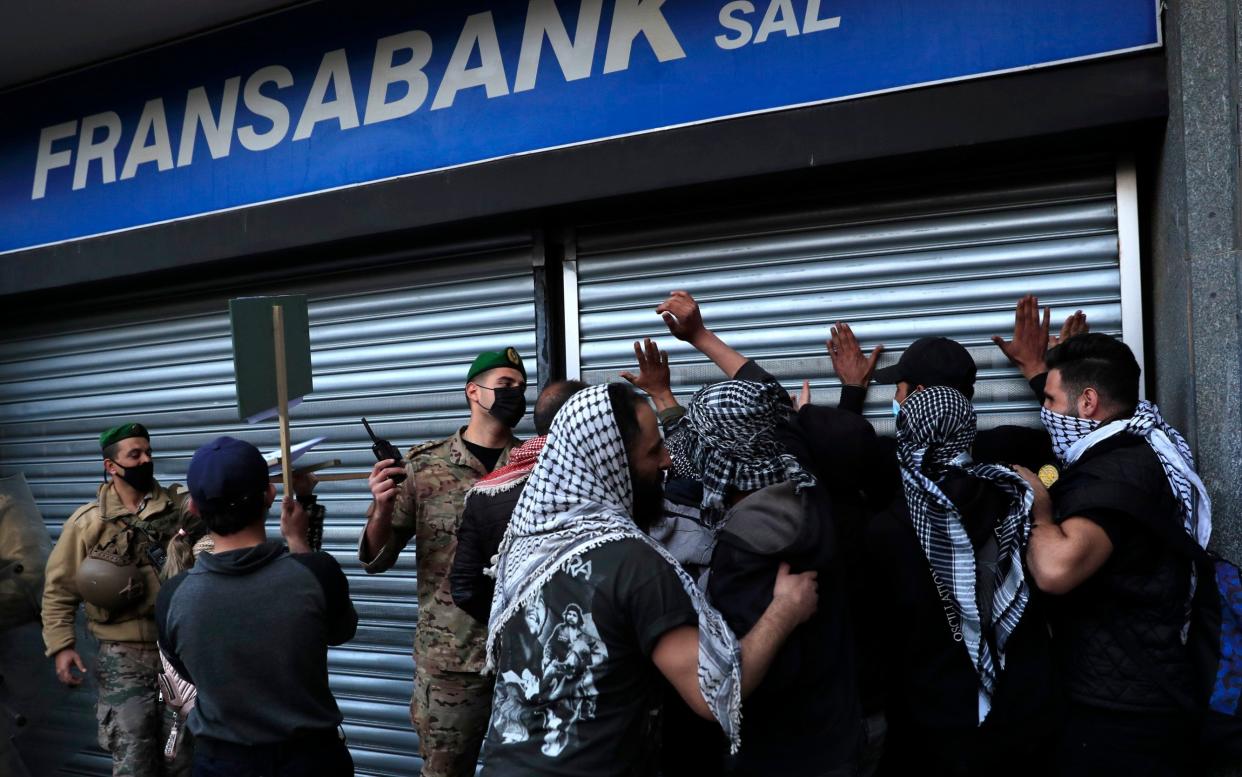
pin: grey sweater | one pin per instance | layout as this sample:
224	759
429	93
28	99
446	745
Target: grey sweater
251	629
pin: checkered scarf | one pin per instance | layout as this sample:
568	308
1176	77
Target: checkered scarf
729	440
1072	437
521	463
579	497
935	430
678	451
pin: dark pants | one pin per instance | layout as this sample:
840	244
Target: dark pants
1100	743
319	755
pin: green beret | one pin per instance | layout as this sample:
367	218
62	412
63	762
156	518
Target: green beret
490	360
122	432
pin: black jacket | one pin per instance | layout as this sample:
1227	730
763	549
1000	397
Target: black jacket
922	679
483	524
1137	600
805	716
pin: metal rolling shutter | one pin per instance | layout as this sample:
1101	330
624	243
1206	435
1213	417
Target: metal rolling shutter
948	261
390	344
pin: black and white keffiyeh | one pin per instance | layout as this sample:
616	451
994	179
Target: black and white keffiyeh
1072	437
729	440
935	430
579	497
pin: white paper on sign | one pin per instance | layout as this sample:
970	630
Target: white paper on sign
295	452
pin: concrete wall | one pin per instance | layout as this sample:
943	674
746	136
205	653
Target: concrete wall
1196	252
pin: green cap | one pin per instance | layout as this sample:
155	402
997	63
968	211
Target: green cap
122	432
490	360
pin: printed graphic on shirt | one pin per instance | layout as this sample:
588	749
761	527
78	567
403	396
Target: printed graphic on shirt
559	655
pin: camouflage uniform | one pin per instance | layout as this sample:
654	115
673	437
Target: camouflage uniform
133	725
452	701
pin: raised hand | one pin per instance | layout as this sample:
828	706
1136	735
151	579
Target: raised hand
803	397
682	317
1030	337
848	361
653	374
294	525
1075	324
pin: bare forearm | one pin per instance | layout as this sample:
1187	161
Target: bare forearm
761	643
710	345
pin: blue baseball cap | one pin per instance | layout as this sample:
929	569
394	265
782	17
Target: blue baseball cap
226	472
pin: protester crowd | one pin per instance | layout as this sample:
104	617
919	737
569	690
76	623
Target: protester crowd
751	584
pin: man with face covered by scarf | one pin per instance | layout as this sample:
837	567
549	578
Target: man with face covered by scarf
951	630
740	437
451	699
591	616
1126	503
110	555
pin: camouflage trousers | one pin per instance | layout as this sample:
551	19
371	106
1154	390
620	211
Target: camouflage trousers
450	712
133	724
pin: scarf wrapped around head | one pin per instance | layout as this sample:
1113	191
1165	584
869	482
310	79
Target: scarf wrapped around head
729	440
935	430
578	497
522	461
1072	437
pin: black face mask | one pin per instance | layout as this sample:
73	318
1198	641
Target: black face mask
508	404
140	477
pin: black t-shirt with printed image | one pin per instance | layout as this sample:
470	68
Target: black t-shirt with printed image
576	691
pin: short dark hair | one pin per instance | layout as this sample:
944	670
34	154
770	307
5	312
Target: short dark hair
551	400
1102	362
238	514
110	451
624	400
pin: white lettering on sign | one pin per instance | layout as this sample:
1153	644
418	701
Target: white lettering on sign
50	160
104	150
217	130
779	17
154	124
399	85
734	24
384	74
268	107
334	72
629	19
574	57
478	33
813	23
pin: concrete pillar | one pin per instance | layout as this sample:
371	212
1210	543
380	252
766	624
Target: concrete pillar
1195	257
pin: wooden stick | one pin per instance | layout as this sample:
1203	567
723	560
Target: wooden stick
282	395
342	476
278	477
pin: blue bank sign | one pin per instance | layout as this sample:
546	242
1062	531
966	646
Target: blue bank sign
329	96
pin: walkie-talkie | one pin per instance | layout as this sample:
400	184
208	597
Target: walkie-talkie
385	450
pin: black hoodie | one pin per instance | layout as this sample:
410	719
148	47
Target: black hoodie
251	629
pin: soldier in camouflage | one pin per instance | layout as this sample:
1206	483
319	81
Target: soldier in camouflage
452	700
119	537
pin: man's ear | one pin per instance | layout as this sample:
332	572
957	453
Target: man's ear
271	493
1089	403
